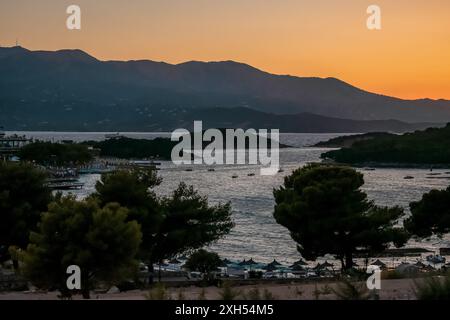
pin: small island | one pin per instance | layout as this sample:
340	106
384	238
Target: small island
428	149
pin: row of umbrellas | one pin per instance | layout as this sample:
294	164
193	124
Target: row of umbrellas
296	266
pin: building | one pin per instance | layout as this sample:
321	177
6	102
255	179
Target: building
10	145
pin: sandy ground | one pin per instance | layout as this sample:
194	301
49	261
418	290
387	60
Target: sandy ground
401	289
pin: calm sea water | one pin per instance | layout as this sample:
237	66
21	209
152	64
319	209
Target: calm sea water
256	234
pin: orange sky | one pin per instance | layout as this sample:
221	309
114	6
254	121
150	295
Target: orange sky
408	58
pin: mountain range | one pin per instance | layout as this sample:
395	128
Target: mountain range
71	90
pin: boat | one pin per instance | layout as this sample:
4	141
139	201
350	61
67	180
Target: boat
69	185
188	169
369	169
250	174
234	176
116	135
408	177
211	169
280	170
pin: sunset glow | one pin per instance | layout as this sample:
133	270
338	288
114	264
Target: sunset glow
408	58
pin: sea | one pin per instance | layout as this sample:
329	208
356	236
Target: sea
256	234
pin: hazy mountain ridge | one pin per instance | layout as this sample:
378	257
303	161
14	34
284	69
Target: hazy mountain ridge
42	83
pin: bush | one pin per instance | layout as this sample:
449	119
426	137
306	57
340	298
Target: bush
433	288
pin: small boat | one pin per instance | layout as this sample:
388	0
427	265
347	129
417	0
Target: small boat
369	169
234	176
188	169
250	174
408	177
280	170
211	169
113	136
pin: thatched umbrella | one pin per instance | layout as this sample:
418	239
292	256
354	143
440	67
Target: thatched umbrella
270	267
421	265
251	262
297	267
275	263
318	266
243	263
301	262
379	264
326	264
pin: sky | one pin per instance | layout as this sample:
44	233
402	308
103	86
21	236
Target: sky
408	58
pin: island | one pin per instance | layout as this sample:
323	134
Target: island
429	149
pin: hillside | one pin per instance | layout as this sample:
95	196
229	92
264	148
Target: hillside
427	148
45	88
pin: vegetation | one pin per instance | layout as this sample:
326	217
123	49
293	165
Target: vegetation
348	141
97	239
430	215
203	261
326	212
433	288
23	196
183	221
56	154
429	147
227	292
189	223
128	148
347	290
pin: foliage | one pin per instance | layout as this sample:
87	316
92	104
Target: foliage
227	292
133	189
158	292
433	288
128	148
347	290
203	261
430	215
49	153
23	196
431	146
189	223
97	239
326	212
172	225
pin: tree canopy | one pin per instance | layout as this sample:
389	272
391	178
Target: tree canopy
428	147
430	215
99	240
190	222
171	225
49	153
23	196
203	261
326	212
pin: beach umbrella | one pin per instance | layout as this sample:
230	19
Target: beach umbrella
379	263
275	263
251	262
326	264
420	264
243	263
301	262
270	267
297	267
318	266
226	261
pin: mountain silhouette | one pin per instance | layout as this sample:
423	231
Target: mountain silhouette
40	88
